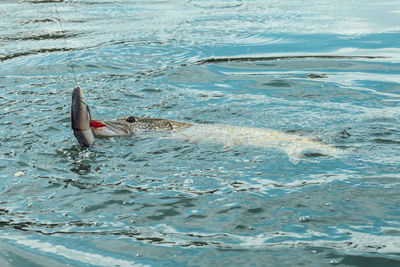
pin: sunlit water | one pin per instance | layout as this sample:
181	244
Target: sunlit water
328	71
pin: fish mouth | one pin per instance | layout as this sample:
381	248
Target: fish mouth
109	128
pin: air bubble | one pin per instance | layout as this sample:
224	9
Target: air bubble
304	219
19	174
188	182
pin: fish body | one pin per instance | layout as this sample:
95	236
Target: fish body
80	118
228	136
294	145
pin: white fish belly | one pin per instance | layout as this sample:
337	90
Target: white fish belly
293	145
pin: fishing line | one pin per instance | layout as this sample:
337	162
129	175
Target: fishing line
69	56
66	46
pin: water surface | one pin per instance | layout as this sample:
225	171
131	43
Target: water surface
325	70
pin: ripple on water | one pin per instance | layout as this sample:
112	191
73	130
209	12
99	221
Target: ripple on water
155	200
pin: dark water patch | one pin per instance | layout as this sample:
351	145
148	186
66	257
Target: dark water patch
62	1
122	192
385	120
317	76
314	155
277	58
194	218
345	133
163	214
153	73
117	76
34	52
361	260
386	141
255	210
278	83
81	185
46	20
43	36
382	131
216	5
104	205
44	1
151	90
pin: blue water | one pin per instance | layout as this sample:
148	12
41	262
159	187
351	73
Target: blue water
327	70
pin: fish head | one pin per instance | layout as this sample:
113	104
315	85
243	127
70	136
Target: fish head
131	125
110	128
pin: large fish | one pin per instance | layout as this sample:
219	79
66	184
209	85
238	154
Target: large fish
293	145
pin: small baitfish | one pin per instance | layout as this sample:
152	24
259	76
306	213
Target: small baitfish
80	118
293	145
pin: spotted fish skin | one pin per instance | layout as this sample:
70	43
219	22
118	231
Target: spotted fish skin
131	125
151	124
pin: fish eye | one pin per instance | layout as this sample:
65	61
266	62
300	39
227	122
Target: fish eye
130	119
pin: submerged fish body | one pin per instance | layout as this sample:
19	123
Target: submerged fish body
293	145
